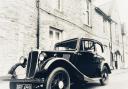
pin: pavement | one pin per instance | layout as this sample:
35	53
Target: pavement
4	85
119	71
118	80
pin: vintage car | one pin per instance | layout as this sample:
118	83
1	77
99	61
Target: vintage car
77	60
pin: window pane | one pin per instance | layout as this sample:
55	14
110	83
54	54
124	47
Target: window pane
88	17
87	45
87	12
51	34
59	4
88	5
98	49
71	45
57	35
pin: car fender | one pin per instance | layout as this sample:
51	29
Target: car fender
107	65
53	60
61	62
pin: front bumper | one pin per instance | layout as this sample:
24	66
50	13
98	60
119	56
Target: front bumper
27	84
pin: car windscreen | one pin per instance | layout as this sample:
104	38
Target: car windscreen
66	46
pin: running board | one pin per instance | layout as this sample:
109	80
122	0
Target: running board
91	79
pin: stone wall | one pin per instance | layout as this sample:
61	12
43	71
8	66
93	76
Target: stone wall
18	26
17	30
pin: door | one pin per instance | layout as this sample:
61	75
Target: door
87	62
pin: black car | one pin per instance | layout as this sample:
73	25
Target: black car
77	60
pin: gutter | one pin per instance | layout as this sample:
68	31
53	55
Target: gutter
98	10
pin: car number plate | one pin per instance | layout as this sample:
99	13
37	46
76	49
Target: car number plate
24	86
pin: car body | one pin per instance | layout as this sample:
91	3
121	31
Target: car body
77	60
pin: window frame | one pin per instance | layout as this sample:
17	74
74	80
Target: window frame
87	13
83	48
59	5
101	48
54	39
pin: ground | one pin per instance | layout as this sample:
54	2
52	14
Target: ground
118	80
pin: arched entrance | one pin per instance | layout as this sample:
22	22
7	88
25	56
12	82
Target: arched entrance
118	59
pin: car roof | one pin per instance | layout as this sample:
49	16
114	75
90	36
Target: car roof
96	41
82	38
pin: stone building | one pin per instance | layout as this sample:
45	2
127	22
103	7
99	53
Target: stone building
58	20
17	29
23	28
112	32
125	44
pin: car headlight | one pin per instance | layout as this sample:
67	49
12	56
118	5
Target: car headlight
22	59
42	56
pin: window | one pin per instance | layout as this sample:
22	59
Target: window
58	5
55	35
68	46
116	34
98	49
51	34
87	12
87	45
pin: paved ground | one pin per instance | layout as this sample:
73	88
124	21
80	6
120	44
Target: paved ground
118	80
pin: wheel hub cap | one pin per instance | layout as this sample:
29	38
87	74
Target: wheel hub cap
105	75
61	84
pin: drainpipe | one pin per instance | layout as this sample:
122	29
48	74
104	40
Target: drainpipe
123	48
111	35
123	43
38	23
111	46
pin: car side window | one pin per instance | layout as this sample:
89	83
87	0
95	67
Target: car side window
87	45
98	49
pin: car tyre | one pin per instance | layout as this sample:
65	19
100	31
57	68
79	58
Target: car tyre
104	76
12	85
58	79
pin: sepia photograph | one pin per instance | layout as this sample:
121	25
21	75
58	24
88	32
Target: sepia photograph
63	44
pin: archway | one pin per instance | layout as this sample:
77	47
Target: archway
117	59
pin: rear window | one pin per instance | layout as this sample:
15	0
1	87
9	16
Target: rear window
68	46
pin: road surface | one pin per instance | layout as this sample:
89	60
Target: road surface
118	80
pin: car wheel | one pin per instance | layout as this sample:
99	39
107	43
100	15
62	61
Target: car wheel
104	76
12	85
58	79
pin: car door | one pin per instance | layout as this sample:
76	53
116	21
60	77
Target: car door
86	58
